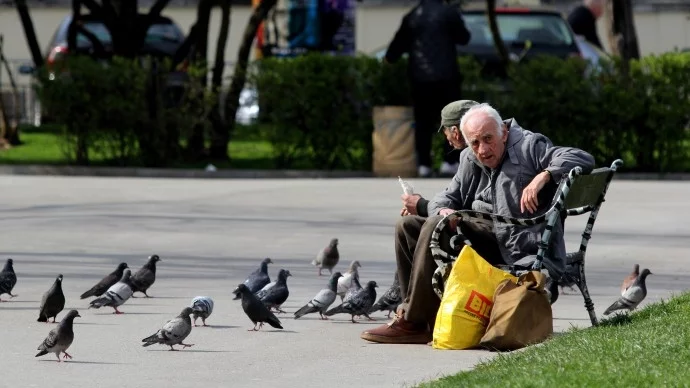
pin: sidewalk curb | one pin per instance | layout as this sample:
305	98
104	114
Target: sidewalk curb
135	172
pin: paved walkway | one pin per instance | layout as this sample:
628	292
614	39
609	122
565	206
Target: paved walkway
212	233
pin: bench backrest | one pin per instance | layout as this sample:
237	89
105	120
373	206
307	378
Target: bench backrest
588	189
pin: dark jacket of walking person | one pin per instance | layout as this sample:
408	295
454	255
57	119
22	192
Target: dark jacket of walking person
583	20
429	34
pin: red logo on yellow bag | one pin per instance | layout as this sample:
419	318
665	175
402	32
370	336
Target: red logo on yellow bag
479	305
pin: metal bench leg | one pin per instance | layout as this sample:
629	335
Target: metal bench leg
582	285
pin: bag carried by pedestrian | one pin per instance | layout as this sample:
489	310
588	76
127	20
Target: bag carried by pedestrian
521	314
467	301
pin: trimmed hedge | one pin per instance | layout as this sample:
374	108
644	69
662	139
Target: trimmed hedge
319	106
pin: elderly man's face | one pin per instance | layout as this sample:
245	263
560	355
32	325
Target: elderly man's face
483	137
454	137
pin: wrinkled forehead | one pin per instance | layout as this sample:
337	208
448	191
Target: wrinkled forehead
479	126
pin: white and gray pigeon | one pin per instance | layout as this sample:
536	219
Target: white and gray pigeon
390	300
322	300
359	304
347	281
257	279
8	279
275	294
116	295
328	257
144	278
59	338
173	332
53	301
202	307
633	295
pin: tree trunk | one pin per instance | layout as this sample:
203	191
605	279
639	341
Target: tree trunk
220	136
232	100
496	34
195	143
29	33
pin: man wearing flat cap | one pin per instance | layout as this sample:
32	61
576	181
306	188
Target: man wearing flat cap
504	169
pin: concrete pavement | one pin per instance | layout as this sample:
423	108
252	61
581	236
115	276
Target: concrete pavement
212	233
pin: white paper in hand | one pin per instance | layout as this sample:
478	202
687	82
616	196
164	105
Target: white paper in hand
407	188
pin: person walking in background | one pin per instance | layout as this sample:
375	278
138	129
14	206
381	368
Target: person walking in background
429	34
583	20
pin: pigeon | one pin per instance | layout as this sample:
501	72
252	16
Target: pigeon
359	304
633	295
53	302
345	282
390	300
8	279
257	279
117	294
173	332
145	276
322	300
256	310
328	257
106	282
630	279
202	307
275	294
59	338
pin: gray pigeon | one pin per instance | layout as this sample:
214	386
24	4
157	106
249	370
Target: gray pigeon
257	279
633	295
359	304
106	282
145	276
347	281
202	307
328	257
53	302
8	279
59	338
116	295
275	294
390	300
256	310
173	332
322	300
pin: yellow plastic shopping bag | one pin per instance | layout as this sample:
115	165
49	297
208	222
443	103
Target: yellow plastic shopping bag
467	300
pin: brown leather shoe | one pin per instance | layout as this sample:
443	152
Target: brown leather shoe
398	331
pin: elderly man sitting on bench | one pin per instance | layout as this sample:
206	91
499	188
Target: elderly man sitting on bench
505	170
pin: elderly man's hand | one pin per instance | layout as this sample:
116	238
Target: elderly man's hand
409	204
529	200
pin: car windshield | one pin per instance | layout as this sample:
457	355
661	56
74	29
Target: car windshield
156	33
540	29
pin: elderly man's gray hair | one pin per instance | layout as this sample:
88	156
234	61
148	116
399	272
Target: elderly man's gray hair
487	110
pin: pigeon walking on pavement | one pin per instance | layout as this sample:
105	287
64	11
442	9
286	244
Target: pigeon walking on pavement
145	276
8	279
275	295
328	257
257	279
173	332
116	295
322	300
59	338
202	307
390	300
630	279
256	310
53	301
633	295
347	281
106	282
359	304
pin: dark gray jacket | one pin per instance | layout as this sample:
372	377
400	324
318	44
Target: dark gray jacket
429	33
499	191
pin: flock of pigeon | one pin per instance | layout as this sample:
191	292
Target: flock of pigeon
259	297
